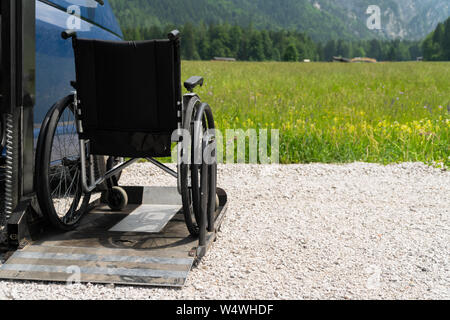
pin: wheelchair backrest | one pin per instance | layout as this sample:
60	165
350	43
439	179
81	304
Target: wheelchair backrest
128	87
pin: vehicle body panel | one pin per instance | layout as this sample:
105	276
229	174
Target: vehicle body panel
55	66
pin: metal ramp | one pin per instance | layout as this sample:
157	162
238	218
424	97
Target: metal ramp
95	253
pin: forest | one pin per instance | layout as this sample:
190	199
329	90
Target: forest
322	20
299	15
226	29
204	42
436	47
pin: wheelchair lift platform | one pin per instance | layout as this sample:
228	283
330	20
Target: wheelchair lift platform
147	244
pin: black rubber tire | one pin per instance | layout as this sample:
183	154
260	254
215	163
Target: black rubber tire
117	199
186	192
199	193
44	192
208	191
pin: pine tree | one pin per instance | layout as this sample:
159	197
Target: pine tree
359	52
446	42
276	55
256	47
188	47
217	49
437	45
267	45
243	49
343	49
291	53
202	42
438	35
329	50
235	40
375	50
302	52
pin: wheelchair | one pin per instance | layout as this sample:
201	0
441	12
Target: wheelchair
127	105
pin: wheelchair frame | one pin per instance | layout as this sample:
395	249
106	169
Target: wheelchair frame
103	256
185	111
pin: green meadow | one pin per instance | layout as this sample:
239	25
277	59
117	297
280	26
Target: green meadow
335	113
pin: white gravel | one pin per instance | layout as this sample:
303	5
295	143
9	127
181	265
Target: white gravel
357	231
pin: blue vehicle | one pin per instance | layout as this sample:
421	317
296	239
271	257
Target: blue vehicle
36	70
55	66
54	57
55	70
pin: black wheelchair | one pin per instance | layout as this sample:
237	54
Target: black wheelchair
127	105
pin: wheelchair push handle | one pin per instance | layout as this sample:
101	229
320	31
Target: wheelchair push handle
174	35
67	34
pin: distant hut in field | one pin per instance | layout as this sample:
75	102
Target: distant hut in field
354	60
224	59
366	60
341	59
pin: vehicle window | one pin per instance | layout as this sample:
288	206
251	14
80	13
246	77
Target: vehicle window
96	11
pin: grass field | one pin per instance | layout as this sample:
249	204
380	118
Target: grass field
336	113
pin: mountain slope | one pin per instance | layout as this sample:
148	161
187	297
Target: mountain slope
321	19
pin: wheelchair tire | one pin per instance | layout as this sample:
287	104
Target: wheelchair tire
190	215
208	187
196	190
117	199
58	168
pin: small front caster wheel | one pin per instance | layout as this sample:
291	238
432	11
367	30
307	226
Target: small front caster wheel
117	199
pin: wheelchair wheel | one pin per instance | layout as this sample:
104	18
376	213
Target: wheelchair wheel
58	168
117	198
198	181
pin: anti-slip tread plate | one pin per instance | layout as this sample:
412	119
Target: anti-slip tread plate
95	265
95	254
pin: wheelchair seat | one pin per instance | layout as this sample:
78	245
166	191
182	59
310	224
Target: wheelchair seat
130	95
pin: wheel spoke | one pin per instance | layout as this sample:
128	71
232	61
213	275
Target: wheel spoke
64	170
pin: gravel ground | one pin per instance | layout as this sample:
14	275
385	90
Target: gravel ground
357	231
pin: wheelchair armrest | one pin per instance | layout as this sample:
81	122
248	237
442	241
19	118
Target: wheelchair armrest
193	82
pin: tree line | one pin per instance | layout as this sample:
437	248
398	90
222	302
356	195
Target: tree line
204	42
436	47
300	15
